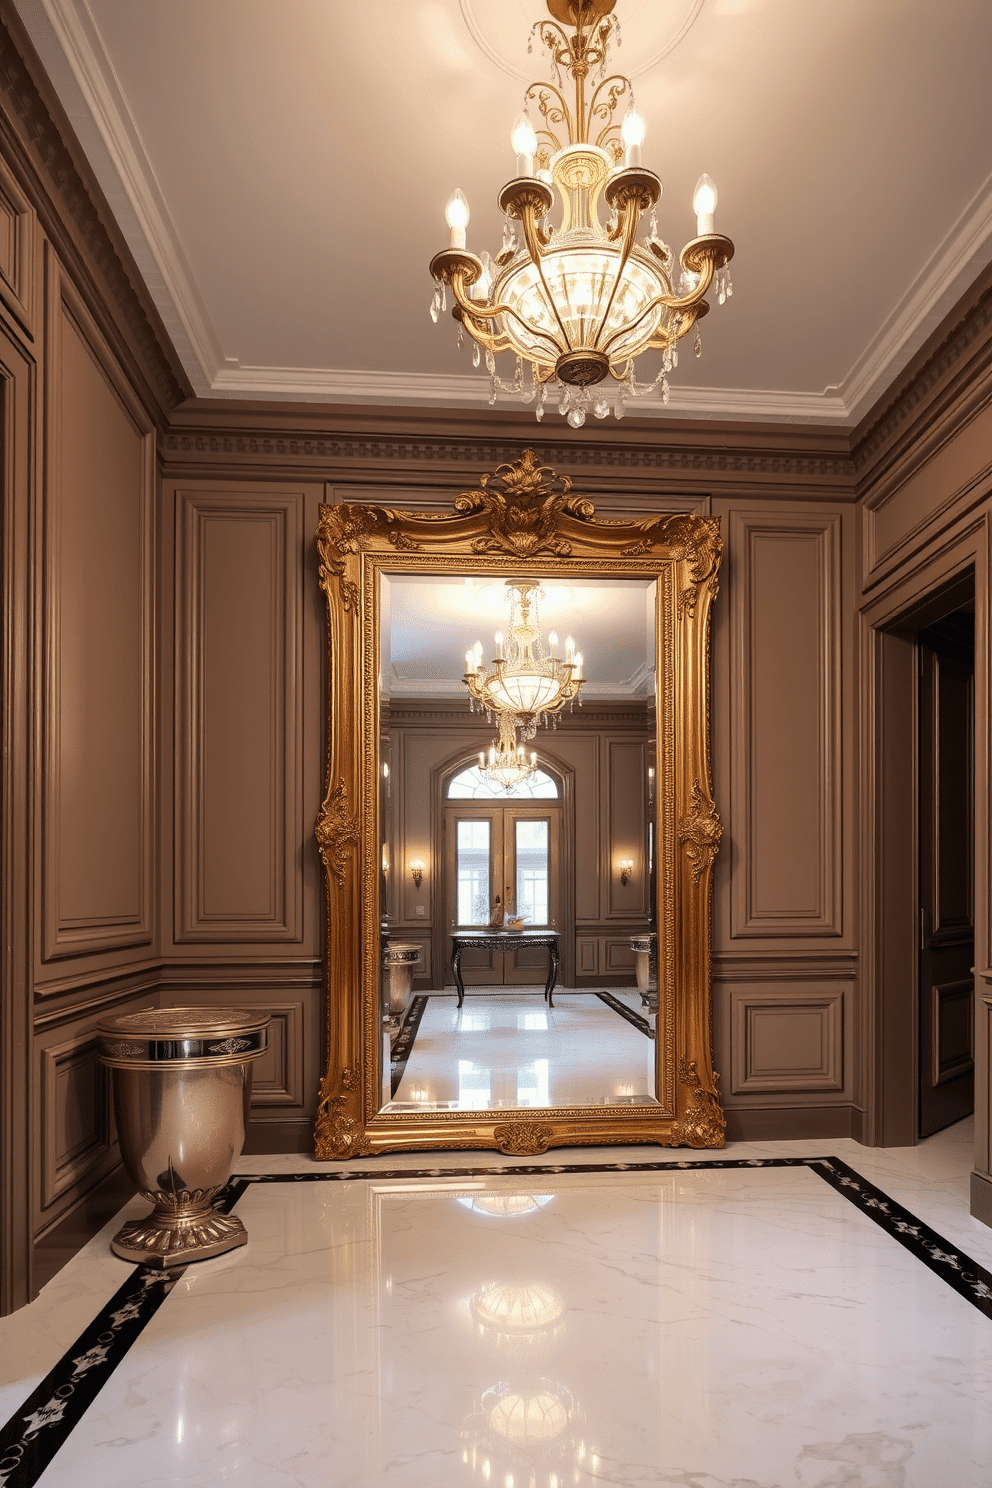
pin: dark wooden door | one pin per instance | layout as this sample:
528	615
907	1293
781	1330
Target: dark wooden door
947	895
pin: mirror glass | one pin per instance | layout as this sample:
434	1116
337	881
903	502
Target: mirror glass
538	895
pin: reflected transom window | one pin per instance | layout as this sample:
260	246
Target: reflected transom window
471	785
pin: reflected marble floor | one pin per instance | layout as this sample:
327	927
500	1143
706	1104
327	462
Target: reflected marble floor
545	1323
507	1048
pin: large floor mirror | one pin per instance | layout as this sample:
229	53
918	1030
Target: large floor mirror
475	816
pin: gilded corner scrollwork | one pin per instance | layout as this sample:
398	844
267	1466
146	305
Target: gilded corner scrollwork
336	1133
523	1138
700	831
523	504
337	829
703	1124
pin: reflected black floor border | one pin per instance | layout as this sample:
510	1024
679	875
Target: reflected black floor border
42	1425
631	1016
403	1047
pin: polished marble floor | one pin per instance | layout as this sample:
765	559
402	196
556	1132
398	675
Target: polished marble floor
755	1318
505	1048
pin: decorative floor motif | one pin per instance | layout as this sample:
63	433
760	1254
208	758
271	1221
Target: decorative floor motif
400	1052
45	1420
640	1023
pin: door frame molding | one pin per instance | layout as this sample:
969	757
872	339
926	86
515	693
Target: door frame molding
441	775
889	849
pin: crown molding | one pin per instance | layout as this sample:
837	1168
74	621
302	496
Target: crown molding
84	74
961	257
412	389
56	176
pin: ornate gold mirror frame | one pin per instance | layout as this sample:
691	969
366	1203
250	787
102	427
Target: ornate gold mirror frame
520	522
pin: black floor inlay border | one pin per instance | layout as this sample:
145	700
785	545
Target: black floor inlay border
625	1012
401	1050
36	1431
43	1423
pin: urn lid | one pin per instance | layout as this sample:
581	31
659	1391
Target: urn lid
207	1034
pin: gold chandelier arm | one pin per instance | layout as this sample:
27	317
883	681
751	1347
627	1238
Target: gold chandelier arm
488	310
693	303
618	86
538	92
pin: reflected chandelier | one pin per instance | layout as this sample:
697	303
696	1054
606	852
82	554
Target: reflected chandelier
577	303
525	682
506	766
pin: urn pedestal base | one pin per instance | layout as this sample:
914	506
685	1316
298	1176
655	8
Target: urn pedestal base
174	1235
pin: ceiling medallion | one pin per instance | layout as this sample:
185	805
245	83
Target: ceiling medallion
576	304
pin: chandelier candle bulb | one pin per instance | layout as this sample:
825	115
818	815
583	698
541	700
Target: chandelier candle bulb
524	143
553	642
632	132
457	215
499	645
704	200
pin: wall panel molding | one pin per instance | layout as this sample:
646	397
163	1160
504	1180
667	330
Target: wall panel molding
18	256
785	685
239	715
787	1041
77	1127
97	863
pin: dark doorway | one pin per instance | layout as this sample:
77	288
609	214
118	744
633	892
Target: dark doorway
946	870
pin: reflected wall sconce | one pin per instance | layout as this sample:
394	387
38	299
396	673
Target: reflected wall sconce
417	866
626	867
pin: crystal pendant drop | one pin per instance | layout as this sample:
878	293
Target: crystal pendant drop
444	297
664	389
492	393
436	305
564	400
577	417
697	344
475	354
491	365
601	408
460	338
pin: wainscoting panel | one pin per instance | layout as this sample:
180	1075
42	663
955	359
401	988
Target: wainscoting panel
587	955
619	958
97	863
951	1011
76	1114
277	1078
239	710
785	678
789	1039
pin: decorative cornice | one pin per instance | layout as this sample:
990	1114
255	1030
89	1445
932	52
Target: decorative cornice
85	235
899	420
426	449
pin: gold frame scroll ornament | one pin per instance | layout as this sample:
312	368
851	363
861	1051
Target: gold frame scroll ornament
521	521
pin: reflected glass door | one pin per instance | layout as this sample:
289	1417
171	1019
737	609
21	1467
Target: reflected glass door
512	852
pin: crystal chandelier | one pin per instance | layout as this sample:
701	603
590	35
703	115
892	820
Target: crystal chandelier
577	303
525	681
507	765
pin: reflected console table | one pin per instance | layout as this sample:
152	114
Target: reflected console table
504	940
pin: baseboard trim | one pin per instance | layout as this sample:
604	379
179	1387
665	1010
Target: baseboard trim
792	1123
981	1197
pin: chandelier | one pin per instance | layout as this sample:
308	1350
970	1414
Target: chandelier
578	303
525	681
507	765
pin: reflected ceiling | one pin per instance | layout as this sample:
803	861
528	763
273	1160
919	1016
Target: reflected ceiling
429	624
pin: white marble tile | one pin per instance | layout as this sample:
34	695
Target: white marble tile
701	1328
507	1049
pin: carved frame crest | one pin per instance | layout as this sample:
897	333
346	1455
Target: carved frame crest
521	520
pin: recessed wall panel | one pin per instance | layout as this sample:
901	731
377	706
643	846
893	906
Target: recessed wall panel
238	746
786	759
97	811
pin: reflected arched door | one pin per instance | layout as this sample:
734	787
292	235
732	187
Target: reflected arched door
505	844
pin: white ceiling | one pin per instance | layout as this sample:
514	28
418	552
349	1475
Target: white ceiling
427	625
280	168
